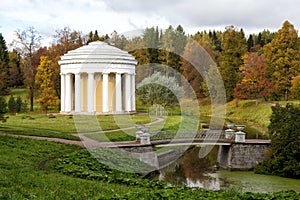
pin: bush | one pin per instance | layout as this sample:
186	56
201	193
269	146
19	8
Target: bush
12	105
3	109
285	142
17	106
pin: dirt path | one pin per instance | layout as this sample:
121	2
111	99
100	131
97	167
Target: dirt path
85	141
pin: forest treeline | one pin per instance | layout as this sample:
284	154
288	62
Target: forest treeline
265	65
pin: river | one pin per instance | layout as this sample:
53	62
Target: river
189	169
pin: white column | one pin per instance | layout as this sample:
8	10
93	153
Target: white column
91	93
68	98
62	92
133	92
105	93
127	93
77	93
118	93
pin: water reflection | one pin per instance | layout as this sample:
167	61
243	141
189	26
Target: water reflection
200	172
193	171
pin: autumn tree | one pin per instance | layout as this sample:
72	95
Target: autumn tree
255	83
196	69
190	72
16	72
4	67
27	42
283	59
66	40
233	48
295	89
44	81
211	42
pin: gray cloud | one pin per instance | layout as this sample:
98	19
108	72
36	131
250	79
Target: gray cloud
252	14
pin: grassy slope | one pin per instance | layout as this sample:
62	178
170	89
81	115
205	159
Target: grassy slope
28	171
245	112
24	173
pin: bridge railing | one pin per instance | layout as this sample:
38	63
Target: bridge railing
181	134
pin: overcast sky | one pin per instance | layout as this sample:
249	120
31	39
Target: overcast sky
127	15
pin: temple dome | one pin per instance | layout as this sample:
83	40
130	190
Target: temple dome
97	52
97	78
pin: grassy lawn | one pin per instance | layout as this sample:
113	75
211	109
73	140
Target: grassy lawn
174	122
63	126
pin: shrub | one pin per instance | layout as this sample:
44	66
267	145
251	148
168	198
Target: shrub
3	109
285	141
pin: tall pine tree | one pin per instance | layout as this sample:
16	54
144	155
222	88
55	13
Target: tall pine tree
4	67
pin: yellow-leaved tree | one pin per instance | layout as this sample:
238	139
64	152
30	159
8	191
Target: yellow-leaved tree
43	80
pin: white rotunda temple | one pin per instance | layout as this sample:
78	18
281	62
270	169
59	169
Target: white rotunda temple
96	79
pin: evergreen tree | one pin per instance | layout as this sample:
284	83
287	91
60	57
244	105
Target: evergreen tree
12	105
263	38
234	47
283	59
151	38
19	104
90	37
173	43
3	109
17	75
250	42
285	142
4	67
96	36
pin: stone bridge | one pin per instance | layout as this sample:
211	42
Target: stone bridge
232	155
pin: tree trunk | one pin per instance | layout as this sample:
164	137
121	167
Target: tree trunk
31	94
286	95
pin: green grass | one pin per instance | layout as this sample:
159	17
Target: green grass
31	169
26	173
38	124
116	136
63	126
20	92
174	122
